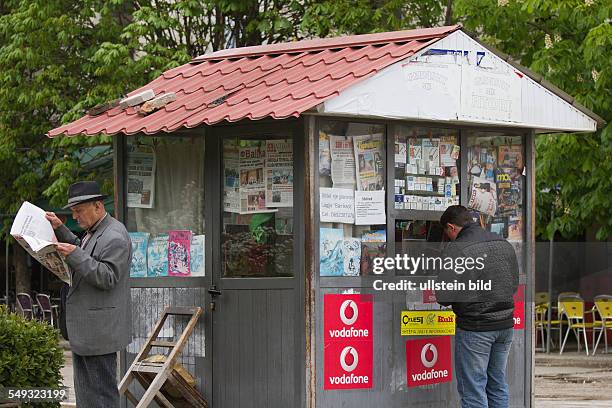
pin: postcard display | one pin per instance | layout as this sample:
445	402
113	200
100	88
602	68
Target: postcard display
426	175
496	186
351	202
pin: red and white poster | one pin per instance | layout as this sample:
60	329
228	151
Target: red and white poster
428	361
519	308
429	296
348	341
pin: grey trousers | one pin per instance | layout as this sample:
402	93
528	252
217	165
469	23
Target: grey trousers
95	381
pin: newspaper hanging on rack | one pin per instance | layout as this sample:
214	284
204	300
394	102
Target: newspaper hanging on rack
279	173
35	234
369	154
141	177
252	185
231	176
342	161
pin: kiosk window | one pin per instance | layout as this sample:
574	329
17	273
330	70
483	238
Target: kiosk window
257	238
352	206
496	185
165	200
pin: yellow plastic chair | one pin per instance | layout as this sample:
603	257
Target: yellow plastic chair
573	309
542	303
603	307
541	298
559	322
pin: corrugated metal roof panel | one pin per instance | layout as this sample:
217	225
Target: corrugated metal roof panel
278	81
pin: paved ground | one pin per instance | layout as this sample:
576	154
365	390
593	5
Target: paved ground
573	380
569	381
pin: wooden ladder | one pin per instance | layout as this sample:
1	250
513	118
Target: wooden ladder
154	375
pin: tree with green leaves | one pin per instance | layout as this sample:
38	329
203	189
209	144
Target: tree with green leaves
569	43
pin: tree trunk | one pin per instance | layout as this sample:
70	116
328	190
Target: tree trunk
23	274
448	20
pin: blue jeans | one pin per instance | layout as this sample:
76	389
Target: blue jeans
480	367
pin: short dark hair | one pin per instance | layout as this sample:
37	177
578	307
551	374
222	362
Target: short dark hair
457	215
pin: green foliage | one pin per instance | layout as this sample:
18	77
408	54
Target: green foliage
29	354
569	42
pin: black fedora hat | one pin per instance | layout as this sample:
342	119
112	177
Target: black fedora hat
82	192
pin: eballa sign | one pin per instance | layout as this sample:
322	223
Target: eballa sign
349	342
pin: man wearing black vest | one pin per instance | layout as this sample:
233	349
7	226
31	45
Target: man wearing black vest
484	317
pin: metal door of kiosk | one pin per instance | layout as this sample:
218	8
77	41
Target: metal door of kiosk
257	314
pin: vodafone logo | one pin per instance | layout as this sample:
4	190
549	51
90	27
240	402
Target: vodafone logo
430	360
349	359
349	316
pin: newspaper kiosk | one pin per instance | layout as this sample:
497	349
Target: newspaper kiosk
262	183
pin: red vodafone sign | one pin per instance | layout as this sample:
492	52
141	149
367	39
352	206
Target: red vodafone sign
519	308
348	341
428	361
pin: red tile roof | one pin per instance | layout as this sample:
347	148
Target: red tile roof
277	81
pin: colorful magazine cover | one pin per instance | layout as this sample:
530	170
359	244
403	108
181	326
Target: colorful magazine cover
508	191
373	245
138	266
324	155
483	196
351	251
431	151
179	257
510	156
157	256
197	255
369	158
499	226
330	252
515	228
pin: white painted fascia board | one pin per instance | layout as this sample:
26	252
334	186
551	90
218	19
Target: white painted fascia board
458	88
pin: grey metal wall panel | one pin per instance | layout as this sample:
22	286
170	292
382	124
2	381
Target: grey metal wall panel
389	372
254	348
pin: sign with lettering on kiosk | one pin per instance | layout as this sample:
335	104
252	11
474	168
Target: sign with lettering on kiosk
348	341
519	308
428	361
427	323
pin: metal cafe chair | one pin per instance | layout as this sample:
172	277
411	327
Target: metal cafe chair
603	307
542	305
25	306
572	307
49	312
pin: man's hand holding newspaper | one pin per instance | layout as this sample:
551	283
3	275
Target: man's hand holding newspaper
33	229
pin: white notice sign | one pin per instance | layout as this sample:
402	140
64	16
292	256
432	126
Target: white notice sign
370	207
337	205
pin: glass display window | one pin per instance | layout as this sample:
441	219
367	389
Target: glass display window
257	235
352	200
165	206
426	168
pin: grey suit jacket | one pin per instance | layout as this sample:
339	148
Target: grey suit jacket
98	306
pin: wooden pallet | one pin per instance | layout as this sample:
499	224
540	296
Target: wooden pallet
161	380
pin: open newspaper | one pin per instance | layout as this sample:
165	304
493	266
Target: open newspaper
35	234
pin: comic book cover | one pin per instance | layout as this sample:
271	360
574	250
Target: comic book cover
373	245
351	251
138	266
330	252
179	257
157	256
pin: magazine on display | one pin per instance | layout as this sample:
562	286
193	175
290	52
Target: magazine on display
197	265
157	256
342	161
179	253
373	245
141	176
351	251
330	252
511	156
231	175
483	196
140	241
369	156
279	173
35	234
252	184
324	155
